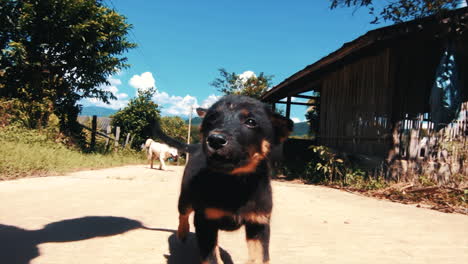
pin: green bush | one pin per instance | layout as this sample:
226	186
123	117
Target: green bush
326	166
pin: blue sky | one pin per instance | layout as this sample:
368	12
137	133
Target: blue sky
182	44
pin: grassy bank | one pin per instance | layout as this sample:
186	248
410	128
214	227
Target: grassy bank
26	153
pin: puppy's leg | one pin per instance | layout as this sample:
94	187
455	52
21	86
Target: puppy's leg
185	208
207	237
150	157
258	240
162	165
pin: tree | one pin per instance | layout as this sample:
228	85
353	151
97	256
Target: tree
54	53
175	127
400	10
232	83
137	117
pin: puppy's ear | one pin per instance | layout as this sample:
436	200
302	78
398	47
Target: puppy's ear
201	112
282	127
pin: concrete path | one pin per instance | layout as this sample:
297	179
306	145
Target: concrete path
128	215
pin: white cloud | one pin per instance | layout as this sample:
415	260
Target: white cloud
113	88
110	88
180	106
113	104
210	101
175	105
122	95
114	81
246	75
296	120
243	77
463	4
143	81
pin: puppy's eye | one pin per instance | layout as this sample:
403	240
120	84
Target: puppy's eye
250	123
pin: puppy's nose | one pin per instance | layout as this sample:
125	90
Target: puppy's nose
216	141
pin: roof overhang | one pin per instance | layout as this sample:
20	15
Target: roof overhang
309	78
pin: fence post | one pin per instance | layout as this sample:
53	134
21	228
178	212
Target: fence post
93	133
117	137
127	139
108	133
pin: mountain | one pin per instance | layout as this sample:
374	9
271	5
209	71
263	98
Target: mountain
300	129
195	121
96	110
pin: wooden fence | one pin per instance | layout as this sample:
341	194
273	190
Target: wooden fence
421	149
104	129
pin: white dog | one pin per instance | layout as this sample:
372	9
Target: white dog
159	151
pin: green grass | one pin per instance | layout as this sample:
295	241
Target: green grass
25	153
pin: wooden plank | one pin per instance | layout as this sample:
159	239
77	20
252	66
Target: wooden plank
117	137
97	132
305	96
108	132
93	133
296	103
288	107
127	139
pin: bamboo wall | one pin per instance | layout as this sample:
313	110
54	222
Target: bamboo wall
378	105
355	107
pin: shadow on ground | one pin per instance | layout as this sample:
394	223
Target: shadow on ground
187	252
20	246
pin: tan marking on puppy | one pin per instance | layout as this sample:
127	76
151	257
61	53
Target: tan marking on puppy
254	159
184	226
258	218
255	251
249	167
265	147
244	112
215	213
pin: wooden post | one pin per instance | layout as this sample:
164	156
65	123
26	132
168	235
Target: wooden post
93	133
127	139
117	136
188	133
288	107
108	133
273	107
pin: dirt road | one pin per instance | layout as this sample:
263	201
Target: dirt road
128	215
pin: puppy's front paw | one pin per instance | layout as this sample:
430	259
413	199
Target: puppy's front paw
182	231
182	236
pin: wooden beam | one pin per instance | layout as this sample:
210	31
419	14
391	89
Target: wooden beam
93	133
305	96
288	107
296	103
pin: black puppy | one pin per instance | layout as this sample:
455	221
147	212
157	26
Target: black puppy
227	179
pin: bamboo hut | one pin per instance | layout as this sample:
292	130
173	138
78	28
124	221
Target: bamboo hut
397	93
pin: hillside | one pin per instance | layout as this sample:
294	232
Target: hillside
300	129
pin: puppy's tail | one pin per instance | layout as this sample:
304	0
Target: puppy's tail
180	146
148	142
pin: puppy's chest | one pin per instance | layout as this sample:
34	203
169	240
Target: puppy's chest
228	192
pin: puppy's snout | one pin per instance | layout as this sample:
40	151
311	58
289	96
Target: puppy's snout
216	141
